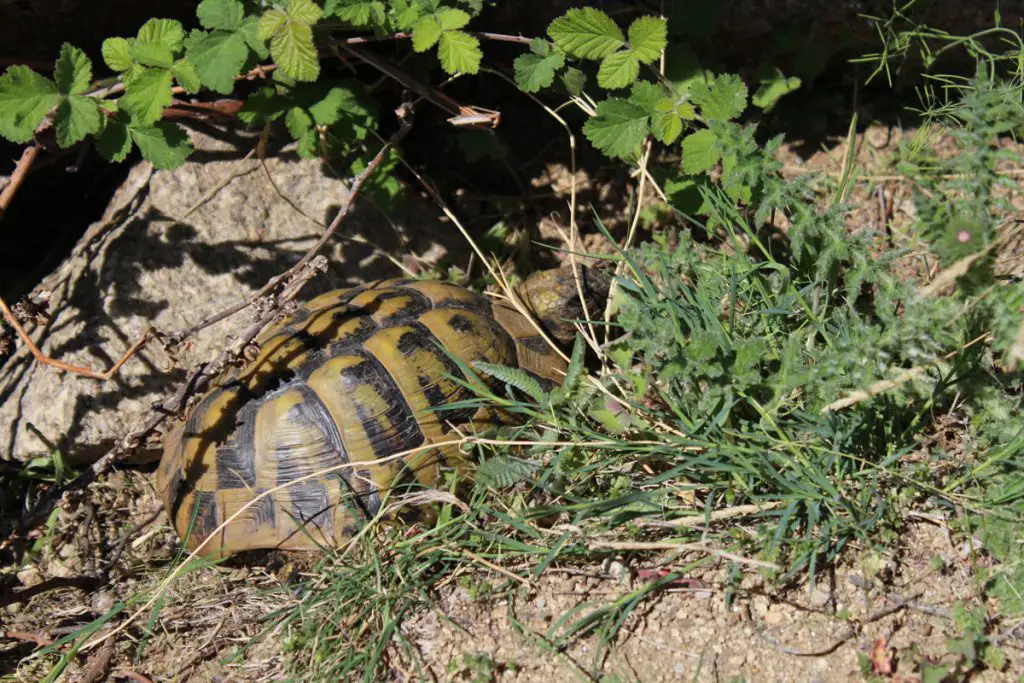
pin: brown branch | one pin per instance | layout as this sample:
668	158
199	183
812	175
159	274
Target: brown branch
97	666
85	583
41	357
39	639
271	299
28	157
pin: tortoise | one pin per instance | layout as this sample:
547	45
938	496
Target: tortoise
353	376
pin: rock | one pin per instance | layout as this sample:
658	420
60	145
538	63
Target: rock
30	576
819	597
775	617
170	250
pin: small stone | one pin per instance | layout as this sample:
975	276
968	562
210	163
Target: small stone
820	597
540	602
679	668
103	601
30	576
760	605
775	617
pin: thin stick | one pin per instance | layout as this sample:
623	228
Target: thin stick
668	545
28	157
61	365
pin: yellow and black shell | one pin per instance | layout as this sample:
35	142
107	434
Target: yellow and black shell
353	377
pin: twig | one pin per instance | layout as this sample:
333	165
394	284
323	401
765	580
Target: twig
289	283
39	639
85	583
199	653
41	357
28	157
123	541
716	516
98	664
698	547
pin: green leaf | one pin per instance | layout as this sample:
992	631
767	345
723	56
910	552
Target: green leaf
503	471
117	53
152	54
700	151
262	106
666	126
293	50
300	125
303	11
164	145
773	89
270	22
459	52
647	38
405	14
223	14
619	127
515	377
25	98
75	118
218	57
540	47
574	80
357	12
185	73
534	72
146	94
166	32
114	142
646	95
425	34
618	70
340	102
574	372
73	71
587	33
722	100
452	19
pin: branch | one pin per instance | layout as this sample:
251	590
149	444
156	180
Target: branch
271	299
28	157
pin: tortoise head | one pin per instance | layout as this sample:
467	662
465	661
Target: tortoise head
554	298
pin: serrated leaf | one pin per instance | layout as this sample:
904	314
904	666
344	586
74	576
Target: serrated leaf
25	98
425	34
114	143
587	33
152	54
262	106
452	19
270	22
75	118
303	11
574	80
619	127
722	100
166	32
249	31
773	89
618	70
666	126
223	14
293	50
503	471
218	58
534	72
648	36
459	52
514	377
164	145
700	151
146	94
339	102
185	73
300	125
73	71
574	371
541	47
405	14
647	95
356	12
117	53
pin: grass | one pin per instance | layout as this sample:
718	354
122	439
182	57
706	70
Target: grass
792	380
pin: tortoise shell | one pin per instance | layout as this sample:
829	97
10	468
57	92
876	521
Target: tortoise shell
352	377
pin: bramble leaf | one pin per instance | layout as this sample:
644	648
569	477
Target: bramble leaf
166	32
588	33
647	38
164	145
152	54
646	95
76	117
300	125
218	58
270	22
722	100
262	106
666	126
114	142
574	80
459	52
293	50
146	94
185	73
356	12
534	72
117	53
220	14
73	71
425	34
303	11
25	98
773	89
700	151
250	30
619	127
452	19
618	70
